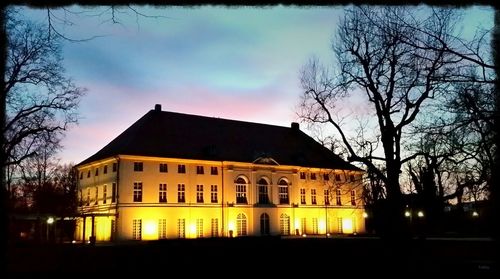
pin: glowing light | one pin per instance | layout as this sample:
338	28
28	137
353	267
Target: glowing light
304	235
73	241
50	220
475	214
420	214
150	228
347	225
192	229
407	213
322	226
365	215
230	226
328	234
297	224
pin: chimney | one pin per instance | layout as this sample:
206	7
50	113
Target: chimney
295	126
157	107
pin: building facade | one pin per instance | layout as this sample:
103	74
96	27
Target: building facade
174	175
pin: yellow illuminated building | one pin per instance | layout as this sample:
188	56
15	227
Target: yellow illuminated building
174	175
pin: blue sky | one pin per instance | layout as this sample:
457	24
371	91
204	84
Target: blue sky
237	63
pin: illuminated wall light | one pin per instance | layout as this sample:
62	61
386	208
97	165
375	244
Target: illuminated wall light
304	235
230	226
407	213
322	226
420	214
347	226
50	220
297	224
365	215
150	230
475	214
192	230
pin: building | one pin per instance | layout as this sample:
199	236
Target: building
173	175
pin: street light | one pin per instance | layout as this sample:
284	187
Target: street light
50	221
420	214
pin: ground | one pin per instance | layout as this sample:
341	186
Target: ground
263	257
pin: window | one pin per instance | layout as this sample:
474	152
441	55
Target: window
88	174
213	193
313	176
214	171
313	196
96	195
80	197
137	229
327	197
241	224
115	166
339	225
163	168
105	170
181	168
104	194
338	197
303	225
113	193
81	175
199	193
181	193
181	228
97	172
264	224
337	177
351	177
315	226
163	193
137	191
283	191
353	197
138	166
162	228
215	227
302	175
88	196
326	177
241	190
284	224
263	191
200	170
302	196
199	227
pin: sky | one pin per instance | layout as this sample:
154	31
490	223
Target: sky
238	63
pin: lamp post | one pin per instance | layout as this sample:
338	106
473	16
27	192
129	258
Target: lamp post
50	221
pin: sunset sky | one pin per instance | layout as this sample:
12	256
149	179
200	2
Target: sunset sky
237	63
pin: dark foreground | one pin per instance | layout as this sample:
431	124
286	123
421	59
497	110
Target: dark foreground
263	257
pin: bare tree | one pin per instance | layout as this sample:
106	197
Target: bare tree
399	76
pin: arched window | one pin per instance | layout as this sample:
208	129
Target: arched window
283	191
264	224
263	189
241	224
241	190
284	224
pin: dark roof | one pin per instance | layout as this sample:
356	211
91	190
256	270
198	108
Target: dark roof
176	135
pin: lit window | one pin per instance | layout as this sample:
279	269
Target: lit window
199	193
137	229
162	228
215	227
241	191
181	228
137	191
181	193
303	225
313	196
284	224
199	227
163	168
163	193
302	196
138	166
241	224
315	226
